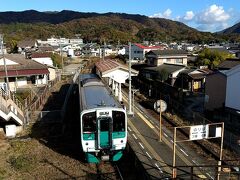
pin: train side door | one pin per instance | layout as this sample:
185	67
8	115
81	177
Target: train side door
104	130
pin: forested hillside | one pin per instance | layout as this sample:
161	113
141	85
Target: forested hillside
111	27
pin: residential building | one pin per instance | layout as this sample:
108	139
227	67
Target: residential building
22	71
233	89
192	79
43	58
26	45
138	51
215	90
169	56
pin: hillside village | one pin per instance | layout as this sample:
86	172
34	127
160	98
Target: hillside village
168	71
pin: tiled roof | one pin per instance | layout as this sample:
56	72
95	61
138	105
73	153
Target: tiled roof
228	64
23	67
148	47
26	43
45	48
170	68
40	55
168	52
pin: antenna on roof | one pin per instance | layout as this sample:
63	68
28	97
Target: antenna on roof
102	103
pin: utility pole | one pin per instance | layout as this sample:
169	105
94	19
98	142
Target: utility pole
4	61
61	54
160	121
130	80
104	44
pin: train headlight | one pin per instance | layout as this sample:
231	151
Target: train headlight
121	141
86	144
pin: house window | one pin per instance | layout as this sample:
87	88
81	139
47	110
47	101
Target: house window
179	61
148	75
168	60
40	76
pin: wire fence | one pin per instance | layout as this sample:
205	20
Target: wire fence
32	106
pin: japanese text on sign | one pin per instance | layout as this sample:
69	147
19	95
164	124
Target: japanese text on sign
198	132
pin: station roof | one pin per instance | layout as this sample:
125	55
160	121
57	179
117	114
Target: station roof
114	70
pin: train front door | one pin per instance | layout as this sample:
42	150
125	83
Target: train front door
104	132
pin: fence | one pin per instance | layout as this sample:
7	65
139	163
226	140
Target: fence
179	110
30	108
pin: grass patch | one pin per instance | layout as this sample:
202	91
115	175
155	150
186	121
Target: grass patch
18	146
3	173
22	95
21	162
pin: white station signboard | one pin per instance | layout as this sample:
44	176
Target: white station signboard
198	132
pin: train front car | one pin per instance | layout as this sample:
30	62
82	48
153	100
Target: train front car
103	122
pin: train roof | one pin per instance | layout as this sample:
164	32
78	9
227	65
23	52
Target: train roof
94	94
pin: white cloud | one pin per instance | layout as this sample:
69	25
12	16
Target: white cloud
166	14
188	16
213	18
213	14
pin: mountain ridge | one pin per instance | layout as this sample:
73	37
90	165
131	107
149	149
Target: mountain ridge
96	27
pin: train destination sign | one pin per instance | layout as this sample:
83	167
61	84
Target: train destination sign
198	132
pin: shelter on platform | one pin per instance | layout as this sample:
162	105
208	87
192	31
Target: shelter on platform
114	74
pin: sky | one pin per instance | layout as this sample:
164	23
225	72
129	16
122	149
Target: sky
204	15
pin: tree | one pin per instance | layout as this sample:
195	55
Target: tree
13	46
212	58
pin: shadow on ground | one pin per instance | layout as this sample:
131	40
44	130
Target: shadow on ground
48	130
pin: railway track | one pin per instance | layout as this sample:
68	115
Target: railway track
108	170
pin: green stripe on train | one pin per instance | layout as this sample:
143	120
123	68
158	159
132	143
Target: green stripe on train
88	136
116	135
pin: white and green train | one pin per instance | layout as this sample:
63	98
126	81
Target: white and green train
103	121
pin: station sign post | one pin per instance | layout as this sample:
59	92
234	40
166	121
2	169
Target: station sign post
199	132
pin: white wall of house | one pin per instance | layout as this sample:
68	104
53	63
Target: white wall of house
40	80
233	88
137	53
122	51
21	82
180	60
52	73
46	60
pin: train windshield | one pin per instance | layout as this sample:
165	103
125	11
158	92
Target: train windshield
104	123
89	122
118	121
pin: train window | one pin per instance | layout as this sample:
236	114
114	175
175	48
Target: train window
89	122
118	121
104	124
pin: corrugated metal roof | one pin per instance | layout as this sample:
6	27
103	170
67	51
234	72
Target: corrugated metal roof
106	65
148	47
